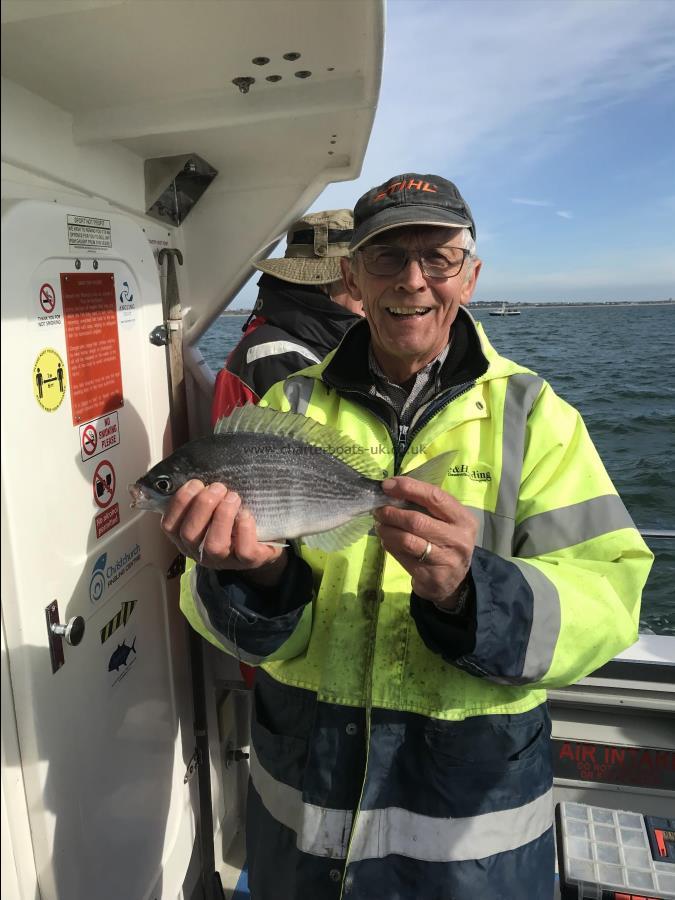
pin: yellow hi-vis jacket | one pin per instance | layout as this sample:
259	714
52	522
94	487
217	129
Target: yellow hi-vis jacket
394	745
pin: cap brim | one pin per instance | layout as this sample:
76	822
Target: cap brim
303	271
400	216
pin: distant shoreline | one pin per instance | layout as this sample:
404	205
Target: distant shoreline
524	304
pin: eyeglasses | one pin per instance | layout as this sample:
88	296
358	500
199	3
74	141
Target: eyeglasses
435	262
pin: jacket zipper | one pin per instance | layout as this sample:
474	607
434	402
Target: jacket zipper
408	432
405	435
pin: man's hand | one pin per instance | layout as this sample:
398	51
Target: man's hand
448	527
210	525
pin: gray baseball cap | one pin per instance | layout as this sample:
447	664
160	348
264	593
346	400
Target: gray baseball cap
410	199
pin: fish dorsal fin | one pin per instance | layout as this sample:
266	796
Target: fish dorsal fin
251	419
434	470
340	537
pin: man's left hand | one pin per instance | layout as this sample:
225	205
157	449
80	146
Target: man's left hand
447	526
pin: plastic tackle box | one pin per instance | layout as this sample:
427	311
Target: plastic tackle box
606	853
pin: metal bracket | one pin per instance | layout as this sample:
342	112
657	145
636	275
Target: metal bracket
192	766
234	754
55	640
72	632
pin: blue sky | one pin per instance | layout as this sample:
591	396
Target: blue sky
556	119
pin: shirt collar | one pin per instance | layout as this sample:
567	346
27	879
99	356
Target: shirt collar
430	370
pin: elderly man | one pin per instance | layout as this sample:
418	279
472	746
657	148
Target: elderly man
400	736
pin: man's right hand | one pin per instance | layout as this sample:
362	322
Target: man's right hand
209	524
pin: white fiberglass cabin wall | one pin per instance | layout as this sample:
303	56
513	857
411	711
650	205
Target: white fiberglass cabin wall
132	127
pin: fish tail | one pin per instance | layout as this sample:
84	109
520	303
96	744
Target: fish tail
434	470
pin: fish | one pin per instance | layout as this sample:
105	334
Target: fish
121	655
299	478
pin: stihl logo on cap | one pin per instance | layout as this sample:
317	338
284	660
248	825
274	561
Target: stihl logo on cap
409	185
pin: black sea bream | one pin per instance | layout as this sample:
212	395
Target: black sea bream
299	478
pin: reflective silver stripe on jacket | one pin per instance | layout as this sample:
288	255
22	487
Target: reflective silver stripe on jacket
557	528
298	390
545	628
229	640
276	348
521	392
319	830
379	832
495	529
495	533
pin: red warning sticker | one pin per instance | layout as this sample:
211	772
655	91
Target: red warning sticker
92	342
107	520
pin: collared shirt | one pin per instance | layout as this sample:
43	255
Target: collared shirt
407	398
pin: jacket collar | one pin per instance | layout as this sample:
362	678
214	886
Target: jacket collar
304	312
468	360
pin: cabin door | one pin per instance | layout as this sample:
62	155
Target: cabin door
103	724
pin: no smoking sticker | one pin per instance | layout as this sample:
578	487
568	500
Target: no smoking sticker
99	436
103	484
47	298
49	380
89	440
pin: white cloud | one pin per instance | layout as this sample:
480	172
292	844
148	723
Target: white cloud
463	82
524	202
564	214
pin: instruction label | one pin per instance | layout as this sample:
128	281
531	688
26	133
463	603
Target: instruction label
49	380
92	343
89	233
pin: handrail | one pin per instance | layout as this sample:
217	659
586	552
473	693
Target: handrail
199	368
666	533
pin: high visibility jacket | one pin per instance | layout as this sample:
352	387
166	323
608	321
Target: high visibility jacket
398	752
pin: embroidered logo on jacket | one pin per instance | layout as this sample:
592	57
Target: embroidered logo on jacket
474	474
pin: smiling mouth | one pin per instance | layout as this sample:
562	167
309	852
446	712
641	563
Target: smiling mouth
408	312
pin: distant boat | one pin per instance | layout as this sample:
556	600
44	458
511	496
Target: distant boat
504	311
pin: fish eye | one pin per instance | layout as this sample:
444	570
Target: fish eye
163	485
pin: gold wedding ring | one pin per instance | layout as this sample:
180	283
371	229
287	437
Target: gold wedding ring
425	555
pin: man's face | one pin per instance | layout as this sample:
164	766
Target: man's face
410	313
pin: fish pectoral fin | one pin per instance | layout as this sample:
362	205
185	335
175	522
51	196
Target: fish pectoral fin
434	470
340	537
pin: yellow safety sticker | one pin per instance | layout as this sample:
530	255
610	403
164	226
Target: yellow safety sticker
49	380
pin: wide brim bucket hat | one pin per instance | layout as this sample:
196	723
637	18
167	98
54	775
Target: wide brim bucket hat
315	244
